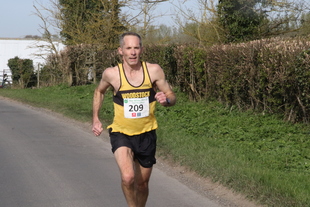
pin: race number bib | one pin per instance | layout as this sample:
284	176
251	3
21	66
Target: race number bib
136	107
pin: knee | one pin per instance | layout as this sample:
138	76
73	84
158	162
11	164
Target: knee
128	179
142	186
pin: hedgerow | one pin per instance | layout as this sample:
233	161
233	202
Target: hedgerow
270	75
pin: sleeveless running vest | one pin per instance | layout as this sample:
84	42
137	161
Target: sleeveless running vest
134	106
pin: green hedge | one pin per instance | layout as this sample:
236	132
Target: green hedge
269	75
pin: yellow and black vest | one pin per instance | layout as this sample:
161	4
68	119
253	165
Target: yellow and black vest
134	106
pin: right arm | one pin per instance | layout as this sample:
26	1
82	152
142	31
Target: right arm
97	101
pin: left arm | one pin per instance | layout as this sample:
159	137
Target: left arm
165	96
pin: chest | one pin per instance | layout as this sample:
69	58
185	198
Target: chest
129	80
134	79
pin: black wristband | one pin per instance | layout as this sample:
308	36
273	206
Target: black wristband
168	101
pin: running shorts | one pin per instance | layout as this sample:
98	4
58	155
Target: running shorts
142	145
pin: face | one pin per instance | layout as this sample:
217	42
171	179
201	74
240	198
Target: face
131	50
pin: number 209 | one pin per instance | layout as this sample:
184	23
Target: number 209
135	108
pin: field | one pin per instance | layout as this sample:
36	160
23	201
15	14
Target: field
258	155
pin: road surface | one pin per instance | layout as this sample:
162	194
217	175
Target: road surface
46	161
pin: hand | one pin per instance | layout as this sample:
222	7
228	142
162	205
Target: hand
161	98
97	128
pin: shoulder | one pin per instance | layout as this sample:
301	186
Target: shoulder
155	71
153	66
110	77
110	73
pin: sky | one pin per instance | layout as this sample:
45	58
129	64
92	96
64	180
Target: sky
17	18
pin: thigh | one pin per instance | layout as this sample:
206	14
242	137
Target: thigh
125	160
142	174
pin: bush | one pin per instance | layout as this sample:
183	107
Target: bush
270	76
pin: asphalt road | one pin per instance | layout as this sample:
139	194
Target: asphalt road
46	161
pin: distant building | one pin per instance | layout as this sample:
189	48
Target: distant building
24	49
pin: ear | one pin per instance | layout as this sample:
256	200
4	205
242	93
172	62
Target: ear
120	51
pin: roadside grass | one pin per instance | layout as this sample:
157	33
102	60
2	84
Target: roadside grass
259	155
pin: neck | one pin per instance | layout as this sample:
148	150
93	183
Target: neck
134	67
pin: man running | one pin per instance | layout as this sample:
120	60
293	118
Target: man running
132	133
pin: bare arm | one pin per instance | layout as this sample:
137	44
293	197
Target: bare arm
97	102
165	96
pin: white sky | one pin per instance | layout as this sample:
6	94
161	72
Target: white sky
17	19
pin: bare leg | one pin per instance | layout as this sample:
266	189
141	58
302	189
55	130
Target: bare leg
124	159
142	177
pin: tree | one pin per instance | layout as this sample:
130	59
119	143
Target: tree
199	23
141	17
239	20
95	24
91	22
244	20
211	21
162	34
50	19
22	71
280	17
305	26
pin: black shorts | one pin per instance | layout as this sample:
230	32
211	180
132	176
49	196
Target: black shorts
142	145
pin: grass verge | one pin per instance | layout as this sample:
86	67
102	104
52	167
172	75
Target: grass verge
259	155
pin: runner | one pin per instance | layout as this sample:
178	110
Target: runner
132	133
